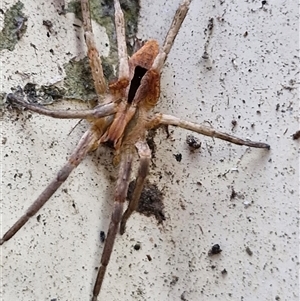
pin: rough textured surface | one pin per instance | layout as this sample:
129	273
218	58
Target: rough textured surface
240	67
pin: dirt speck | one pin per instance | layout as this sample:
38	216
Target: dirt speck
215	249
178	157
102	236
174	280
137	246
193	142
233	194
249	251
296	135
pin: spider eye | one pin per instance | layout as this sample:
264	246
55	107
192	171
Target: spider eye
139	72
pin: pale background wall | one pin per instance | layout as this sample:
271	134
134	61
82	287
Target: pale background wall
55	259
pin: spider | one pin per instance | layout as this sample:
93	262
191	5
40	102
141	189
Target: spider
121	120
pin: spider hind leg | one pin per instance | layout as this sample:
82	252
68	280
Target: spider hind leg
145	157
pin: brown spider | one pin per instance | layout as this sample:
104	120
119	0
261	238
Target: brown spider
121	120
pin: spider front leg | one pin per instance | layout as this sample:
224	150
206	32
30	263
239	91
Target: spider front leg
99	111
162	119
121	41
145	157
93	54
119	199
180	15
86	144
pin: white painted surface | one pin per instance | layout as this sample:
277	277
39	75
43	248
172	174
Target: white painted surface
55	259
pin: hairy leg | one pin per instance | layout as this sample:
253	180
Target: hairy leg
119	199
97	112
171	35
122	48
162	119
85	144
93	54
145	157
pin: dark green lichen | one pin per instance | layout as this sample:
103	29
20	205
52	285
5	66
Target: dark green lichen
14	27
78	81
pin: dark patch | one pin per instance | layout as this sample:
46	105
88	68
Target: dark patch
208	33
18	175
150	141
193	142
137	246
182	297
33	46
233	194
149	257
174	280
42	95
48	24
109	144
151	201
249	251
215	249
296	135
38	218
178	157
102	236
135	83
234	123
166	129
30	90
224	272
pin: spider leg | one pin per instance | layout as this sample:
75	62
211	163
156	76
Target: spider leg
93	54
122	48
119	199
180	15
145	157
99	111
86	143
160	119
